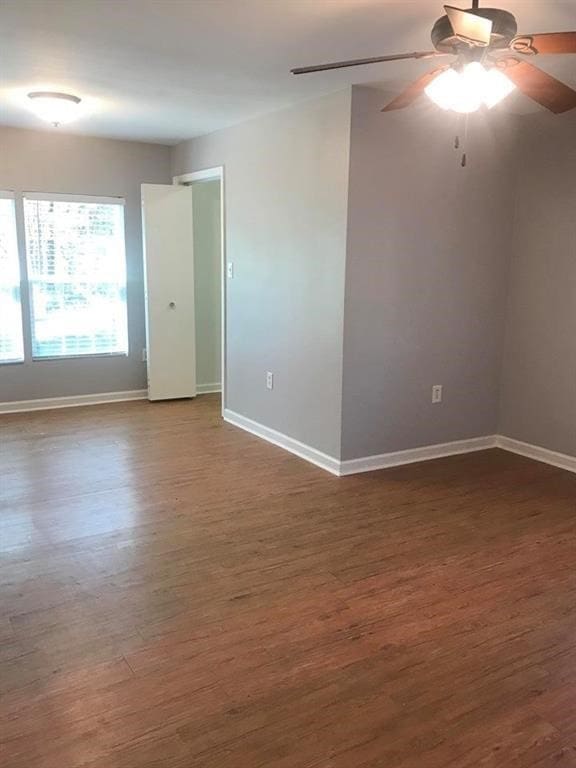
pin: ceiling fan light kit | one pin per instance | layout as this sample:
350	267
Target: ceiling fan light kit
467	90
490	63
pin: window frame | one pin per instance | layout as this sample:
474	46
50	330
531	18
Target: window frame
68	198
8	194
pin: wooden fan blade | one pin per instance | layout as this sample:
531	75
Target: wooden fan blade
539	86
469	27
359	62
409	96
552	42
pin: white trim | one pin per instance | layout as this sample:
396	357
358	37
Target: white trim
64	198
214	174
206	389
365	464
306	452
48	403
312	455
560	460
208	174
399	458
413	455
81	356
6	194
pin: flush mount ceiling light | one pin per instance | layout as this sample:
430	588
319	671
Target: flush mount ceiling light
55	108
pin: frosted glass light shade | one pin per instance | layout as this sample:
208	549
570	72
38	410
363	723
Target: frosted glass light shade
467	90
496	87
441	90
55	108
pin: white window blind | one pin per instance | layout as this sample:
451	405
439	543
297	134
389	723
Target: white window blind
11	343
77	275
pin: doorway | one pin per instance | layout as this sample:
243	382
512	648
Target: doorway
209	284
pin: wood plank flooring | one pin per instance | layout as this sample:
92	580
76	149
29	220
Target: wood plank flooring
175	593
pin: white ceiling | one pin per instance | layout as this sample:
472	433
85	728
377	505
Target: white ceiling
167	70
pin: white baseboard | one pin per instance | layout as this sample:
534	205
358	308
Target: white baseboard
365	464
413	455
560	460
48	403
206	389
329	463
399	458
314	456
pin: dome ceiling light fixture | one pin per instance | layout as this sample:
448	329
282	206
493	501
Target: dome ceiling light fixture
56	108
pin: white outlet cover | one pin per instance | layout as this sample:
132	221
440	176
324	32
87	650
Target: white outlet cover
437	392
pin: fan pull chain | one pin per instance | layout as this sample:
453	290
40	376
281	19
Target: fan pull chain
457	143
458	132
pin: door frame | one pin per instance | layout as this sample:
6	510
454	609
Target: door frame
215	174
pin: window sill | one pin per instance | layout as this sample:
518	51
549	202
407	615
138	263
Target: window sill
88	355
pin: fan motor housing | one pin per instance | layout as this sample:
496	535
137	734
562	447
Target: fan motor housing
504	29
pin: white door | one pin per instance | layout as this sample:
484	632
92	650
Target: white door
169	290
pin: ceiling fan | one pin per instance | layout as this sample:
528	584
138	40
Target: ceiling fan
490	64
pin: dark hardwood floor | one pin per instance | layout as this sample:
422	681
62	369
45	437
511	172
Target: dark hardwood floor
176	593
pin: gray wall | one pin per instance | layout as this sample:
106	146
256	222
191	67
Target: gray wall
44	161
368	266
539	374
428	254
207	280
286	185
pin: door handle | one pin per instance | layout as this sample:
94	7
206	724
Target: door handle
172	305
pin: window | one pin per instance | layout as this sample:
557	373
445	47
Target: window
77	275
11	342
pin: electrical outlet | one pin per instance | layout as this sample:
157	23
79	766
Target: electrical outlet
230	270
437	393
144	354
269	380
